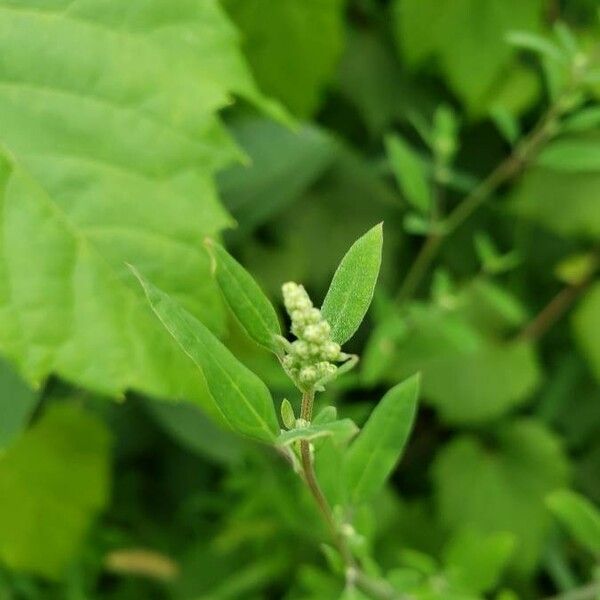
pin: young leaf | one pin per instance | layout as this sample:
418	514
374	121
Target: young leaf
409	173
373	455
245	298
341	430
353	284
242	397
287	414
579	516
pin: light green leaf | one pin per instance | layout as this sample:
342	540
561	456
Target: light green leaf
292	45
353	284
53	482
410	173
536	43
341	431
564	202
501	486
579	516
494	376
109	141
576	269
17	402
586	327
575	155
288	417
243	399
282	164
376	451
582	120
247	301
474	562
468	37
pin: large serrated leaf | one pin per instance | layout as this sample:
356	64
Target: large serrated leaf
242	398
109	140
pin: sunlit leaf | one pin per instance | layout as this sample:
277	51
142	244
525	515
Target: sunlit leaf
353	285
242	399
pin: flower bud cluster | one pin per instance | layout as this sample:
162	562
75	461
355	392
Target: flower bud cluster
312	356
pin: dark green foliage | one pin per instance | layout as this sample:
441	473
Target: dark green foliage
449	151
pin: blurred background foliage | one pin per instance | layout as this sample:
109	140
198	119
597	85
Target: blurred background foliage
131	130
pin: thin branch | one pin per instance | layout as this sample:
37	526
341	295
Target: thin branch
551	313
506	170
376	589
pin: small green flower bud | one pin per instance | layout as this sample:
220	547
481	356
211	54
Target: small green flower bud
301	349
312	333
313	316
308	375
325	369
330	351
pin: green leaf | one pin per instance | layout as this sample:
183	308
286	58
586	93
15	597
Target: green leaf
582	120
292	45
110	138
17	403
586	325
410	173
494	376
571	155
353	284
287	414
283	163
579	516
341	431
564	202
468	39
242	398
501	486
474	562
536	43
373	455
244	297
53	481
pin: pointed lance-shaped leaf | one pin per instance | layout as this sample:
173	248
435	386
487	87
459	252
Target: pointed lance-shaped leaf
245	298
353	284
374	453
410	173
242	397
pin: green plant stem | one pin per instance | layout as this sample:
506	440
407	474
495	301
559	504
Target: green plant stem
587	592
506	170
372	587
558	305
552	312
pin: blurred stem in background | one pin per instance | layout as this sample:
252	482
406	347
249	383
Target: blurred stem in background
523	153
